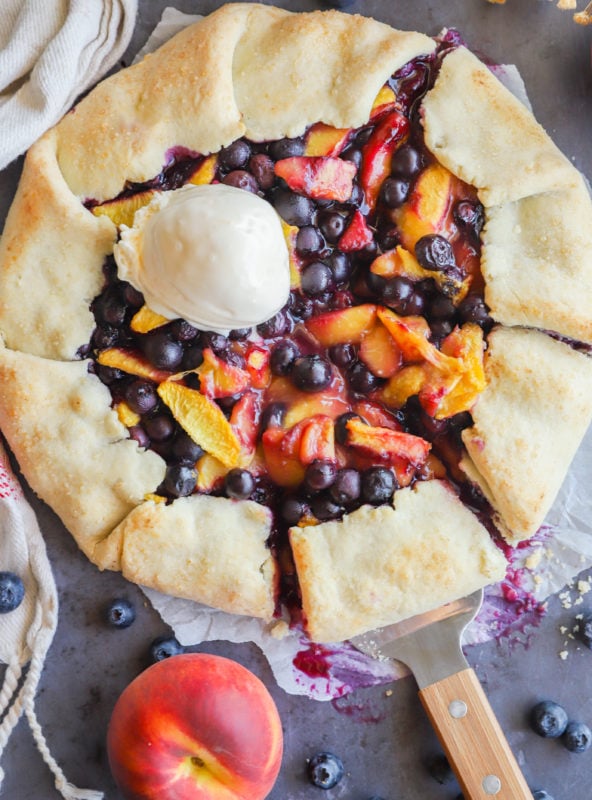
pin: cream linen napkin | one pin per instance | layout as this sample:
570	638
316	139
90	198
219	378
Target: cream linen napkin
50	52
27	632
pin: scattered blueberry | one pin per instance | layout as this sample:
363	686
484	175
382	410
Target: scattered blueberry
577	737
164	647
585	630
325	770
12	591
541	794
120	613
548	719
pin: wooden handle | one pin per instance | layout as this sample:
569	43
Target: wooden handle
473	740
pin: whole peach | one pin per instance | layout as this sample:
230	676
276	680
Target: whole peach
195	727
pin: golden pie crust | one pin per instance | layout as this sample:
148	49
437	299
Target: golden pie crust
245	70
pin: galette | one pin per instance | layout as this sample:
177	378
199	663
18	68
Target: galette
296	318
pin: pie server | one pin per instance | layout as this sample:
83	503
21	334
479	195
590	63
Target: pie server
450	692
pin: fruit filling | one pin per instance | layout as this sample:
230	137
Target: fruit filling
363	381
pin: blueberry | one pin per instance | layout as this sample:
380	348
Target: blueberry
159	428
354	155
272	416
361	379
469	216
341	266
324	507
183	331
238	334
309	240
541	794
120	613
548	719
275	326
235	156
316	279
192	357
343	355
346	487
473	309
397	292
325	770
294	208
394	192
292	510
577	737
239	483
406	162
319	475
241	179
441	307
162	352
311	373
378	485
261	166
585	630
184	449
282	358
180	480
286	148
434	252
139	435
332	225
164	647
141	396
12	592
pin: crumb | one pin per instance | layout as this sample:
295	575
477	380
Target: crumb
578	601
567	5
533	560
563	655
563	629
584	586
388	693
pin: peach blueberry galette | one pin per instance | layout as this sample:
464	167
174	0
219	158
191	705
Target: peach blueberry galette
295	315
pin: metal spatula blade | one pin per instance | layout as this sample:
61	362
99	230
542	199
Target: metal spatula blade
430	645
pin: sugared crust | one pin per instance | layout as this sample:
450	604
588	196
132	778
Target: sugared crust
537	262
246	69
528	424
70	444
478	130
207	549
51	256
380	565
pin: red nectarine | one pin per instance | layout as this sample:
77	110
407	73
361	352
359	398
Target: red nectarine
195	727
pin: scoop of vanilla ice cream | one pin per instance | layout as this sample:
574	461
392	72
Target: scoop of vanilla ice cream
213	255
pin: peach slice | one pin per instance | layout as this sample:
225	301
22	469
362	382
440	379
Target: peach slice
385	99
401	262
375	414
210	473
281	451
146	320
203	420
407	382
427	207
126	415
325	140
380	352
257	365
390	132
243	421
357	235
410	334
331	402
205	172
318	177
343	326
134	364
122	210
218	378
318	440
290	233
386	443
